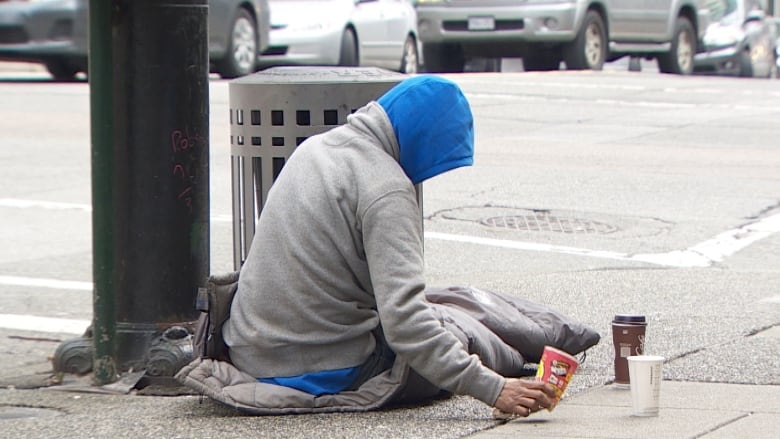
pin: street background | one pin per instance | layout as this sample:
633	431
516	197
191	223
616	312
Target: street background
652	194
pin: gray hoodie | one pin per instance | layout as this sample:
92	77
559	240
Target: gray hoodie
339	249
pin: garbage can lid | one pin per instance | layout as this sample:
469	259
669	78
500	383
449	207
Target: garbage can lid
319	74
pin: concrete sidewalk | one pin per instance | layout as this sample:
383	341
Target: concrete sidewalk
748	406
688	410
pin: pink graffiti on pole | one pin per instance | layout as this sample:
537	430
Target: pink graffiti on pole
181	146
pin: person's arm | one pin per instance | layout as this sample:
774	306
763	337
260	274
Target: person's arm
392	238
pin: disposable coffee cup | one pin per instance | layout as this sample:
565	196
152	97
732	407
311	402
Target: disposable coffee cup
556	368
628	338
645	371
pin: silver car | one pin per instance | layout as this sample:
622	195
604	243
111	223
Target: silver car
378	33
739	41
54	33
583	34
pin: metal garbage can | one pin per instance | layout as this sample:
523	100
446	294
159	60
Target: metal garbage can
274	111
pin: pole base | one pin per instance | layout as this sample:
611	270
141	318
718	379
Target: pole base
160	354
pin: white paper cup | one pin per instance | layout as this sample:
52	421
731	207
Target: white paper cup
645	374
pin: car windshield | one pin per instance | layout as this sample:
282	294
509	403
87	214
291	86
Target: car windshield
721	8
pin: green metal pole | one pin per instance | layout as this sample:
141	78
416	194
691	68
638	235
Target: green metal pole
161	175
102	128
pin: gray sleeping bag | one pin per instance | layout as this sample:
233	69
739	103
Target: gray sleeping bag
505	332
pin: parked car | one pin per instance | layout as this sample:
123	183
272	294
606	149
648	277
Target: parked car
582	33
740	40
379	33
54	33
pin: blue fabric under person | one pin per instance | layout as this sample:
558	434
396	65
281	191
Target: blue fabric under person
433	124
327	382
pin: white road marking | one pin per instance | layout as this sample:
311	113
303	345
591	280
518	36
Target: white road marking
45	283
23	322
703	254
530	246
27	204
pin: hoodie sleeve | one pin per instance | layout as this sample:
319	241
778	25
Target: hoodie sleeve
393	242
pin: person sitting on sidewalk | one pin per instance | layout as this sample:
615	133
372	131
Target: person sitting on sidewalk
332	293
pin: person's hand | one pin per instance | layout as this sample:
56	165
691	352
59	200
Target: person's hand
523	397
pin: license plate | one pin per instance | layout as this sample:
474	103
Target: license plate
482	23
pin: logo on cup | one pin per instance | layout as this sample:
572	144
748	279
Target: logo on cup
641	348
559	368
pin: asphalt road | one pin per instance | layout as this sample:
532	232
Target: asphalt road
594	192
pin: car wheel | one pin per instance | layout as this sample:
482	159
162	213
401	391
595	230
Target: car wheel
410	60
679	60
745	64
589	50
241	55
62	70
443	58
348	56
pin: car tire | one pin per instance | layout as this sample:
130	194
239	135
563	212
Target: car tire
679	60
443	58
589	50
745	64
348	56
410	62
241	54
62	69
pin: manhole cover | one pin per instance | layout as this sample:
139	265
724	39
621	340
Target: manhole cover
14	412
542	222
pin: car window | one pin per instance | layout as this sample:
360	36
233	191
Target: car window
721	8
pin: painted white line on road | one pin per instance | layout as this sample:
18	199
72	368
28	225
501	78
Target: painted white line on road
531	246
45	283
26	204
672	259
732	241
29	204
43	324
700	255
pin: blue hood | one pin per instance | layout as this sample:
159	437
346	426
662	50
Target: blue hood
433	124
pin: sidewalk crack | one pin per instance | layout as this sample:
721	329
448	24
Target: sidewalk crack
721	425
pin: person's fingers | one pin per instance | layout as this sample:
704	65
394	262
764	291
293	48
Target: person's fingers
547	388
526	397
546	401
540	397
